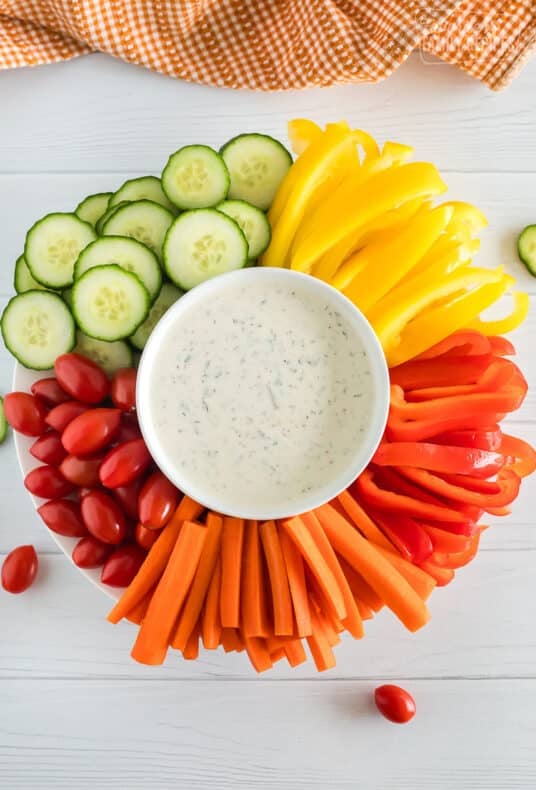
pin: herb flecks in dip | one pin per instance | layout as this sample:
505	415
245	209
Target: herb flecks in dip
260	393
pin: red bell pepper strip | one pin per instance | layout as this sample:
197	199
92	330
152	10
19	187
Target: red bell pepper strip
446	542
466	341
509	487
457	559
443	576
488	438
442	372
522	452
471	483
499	511
406	534
501	347
439	458
507	399
401	430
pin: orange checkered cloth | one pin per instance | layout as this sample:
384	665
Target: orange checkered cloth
274	44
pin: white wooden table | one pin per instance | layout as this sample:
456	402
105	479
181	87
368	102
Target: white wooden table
75	712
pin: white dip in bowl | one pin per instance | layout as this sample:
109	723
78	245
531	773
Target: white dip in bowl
262	393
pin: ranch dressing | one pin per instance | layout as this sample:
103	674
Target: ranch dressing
260	393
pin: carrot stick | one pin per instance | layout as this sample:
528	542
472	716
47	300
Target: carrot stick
211	623
255	621
298	587
421	581
277	655
281	600
365	558
352	621
191	649
295	652
443	576
365	611
258	653
362	591
231	561
155	562
231	640
196	596
153	638
310	552
137	614
319	646
356	514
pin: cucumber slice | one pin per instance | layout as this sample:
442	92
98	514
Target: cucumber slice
195	177
37	327
142	220
202	244
252	221
167	296
109	303
526	248
129	254
111	357
23	280
110	211
93	207
144	188
3	422
257	164
52	246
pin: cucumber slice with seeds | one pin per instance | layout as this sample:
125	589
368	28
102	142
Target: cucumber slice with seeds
253	223
142	220
202	244
110	356
167	296
526	248
110	211
93	207
109	303
52	246
144	188
37	327
3	422
23	280
195	177
129	254
257	164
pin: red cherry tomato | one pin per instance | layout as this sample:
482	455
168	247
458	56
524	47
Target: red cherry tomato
81	378
25	413
103	517
145	537
121	566
124	463
49	449
395	703
157	501
123	389
50	392
91	431
60	416
128	430
47	482
82	471
63	517
19	569
90	552
127	497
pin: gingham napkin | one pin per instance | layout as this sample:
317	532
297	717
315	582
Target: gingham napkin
274	44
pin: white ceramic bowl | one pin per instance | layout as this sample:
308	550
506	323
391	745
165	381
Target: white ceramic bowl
200	297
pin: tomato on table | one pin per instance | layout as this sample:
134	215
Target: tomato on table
82	472
124	463
157	501
63	517
395	703
103	517
49	391
25	413
90	552
121	566
91	431
49	449
47	482
81	378
123	389
60	416
19	569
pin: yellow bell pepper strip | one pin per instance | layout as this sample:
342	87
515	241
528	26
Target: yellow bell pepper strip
467	214
302	132
398	152
436	324
373	272
305	175
350	207
510	322
448	254
367	143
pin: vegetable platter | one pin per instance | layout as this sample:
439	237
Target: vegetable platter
91	286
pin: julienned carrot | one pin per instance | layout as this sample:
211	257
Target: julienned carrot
310	552
365	611
231	564
258	653
295	652
255	621
443	576
231	640
356	514
200	584
211	623
156	561
298	587
319	646
137	614
416	577
365	558
281	600
362	592
191	649
154	635
352	621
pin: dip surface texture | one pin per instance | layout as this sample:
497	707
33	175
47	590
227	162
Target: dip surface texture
260	393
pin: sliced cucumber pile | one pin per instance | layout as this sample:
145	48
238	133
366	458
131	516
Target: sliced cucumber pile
202	244
110	211
37	327
253	223
167	296
111	356
195	177
526	248
142	220
143	188
52	246
93	207
23	280
257	164
129	254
